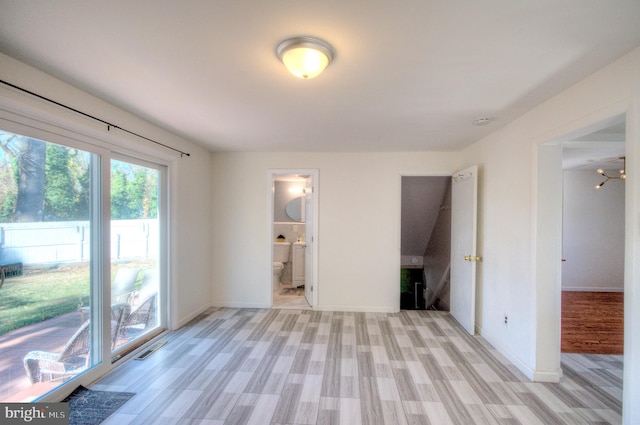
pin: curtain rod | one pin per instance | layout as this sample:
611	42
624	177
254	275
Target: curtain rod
107	123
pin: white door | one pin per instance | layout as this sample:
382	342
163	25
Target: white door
308	252
464	209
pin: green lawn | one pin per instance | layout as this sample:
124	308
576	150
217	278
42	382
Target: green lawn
39	295
42	294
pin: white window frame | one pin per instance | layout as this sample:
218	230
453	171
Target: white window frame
37	123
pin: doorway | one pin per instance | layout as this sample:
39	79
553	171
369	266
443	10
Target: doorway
549	242
293	243
593	233
425	244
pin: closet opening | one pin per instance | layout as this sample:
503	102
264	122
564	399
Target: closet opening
425	243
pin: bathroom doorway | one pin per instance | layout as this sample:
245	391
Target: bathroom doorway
425	243
293	229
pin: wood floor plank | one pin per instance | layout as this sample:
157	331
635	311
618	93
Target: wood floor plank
270	367
592	322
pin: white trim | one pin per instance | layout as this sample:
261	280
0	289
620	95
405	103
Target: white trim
541	376
589	123
26	116
357	309
591	289
534	375
233	304
315	175
631	372
546	233
48	114
397	299
189	317
166	297
546	255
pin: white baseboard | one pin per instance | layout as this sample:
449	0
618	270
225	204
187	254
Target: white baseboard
591	289
229	304
356	309
342	308
534	375
189	317
539	376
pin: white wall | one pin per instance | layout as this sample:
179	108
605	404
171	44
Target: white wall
359	196
189	215
359	225
359	216
593	233
520	206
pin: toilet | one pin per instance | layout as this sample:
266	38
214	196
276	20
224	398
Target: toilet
280	257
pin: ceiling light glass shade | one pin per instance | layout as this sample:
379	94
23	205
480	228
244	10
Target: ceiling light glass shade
305	57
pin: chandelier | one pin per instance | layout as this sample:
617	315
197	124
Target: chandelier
621	176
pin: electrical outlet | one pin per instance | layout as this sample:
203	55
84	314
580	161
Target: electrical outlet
506	319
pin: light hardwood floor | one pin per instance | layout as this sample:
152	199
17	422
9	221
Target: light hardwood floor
245	366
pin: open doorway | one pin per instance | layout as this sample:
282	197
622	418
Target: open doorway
293	227
425	245
593	211
549	251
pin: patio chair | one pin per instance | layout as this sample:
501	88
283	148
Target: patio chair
42	366
149	284
142	317
122	286
119	314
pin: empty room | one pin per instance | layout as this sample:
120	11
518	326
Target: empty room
203	211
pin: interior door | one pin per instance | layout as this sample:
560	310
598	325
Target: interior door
308	252
464	209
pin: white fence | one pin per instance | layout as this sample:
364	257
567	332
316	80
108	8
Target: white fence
68	241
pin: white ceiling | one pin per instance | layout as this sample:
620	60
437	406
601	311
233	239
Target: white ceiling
408	75
603	148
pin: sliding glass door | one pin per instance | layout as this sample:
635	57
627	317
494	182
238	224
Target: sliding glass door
81	257
136	205
48	194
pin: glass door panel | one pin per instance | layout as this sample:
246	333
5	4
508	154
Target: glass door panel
46	193
135	248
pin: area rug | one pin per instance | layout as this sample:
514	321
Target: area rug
90	407
292	291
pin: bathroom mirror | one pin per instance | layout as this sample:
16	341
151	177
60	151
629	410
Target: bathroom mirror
295	209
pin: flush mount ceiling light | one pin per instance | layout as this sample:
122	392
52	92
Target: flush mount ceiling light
622	176
305	57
